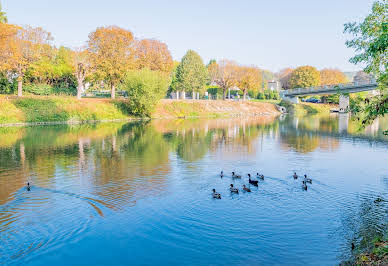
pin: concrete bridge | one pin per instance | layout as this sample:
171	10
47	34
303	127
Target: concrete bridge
293	95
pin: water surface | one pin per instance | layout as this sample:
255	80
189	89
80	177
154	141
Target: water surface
140	193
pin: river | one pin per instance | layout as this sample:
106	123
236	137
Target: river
140	192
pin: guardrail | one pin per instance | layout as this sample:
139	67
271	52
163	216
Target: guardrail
340	86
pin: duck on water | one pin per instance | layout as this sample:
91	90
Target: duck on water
216	195
233	189
253	182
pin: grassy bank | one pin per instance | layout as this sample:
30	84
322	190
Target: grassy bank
57	109
304	108
68	109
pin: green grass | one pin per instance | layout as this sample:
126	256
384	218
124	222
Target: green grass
57	109
266	101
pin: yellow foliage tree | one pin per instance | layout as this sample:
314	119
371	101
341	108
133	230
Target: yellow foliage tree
20	48
284	77
305	76
154	55
332	77
112	54
247	78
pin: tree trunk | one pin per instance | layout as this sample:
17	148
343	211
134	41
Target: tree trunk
20	87
79	90
113	91
244	94
193	95
224	94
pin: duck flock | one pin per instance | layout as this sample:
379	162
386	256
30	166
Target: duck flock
255	182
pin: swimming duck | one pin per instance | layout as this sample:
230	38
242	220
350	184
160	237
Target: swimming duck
235	176
308	180
246	189
304	186
260	176
216	195
222	174
253	182
28	186
295	176
233	189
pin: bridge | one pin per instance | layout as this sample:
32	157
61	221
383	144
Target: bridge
293	95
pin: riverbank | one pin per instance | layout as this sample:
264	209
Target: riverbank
304	108
53	110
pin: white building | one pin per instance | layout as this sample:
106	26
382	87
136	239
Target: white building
274	85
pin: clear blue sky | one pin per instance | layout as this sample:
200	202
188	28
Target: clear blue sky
271	34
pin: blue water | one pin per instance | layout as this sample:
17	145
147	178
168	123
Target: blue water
140	193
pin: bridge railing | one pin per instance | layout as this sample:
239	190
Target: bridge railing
328	87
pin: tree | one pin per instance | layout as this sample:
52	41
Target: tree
3	17
154	55
81	68
332	77
111	52
21	48
305	76
145	88
284	77
371	44
223	74
191	73
247	78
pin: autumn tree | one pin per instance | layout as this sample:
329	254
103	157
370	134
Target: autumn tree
112	54
305	76
332	76
223	74
191	73
81	68
284	77
247	79
3	17
154	55
21	48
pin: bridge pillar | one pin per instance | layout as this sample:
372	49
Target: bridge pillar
343	103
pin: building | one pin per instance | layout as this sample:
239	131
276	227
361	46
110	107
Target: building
274	85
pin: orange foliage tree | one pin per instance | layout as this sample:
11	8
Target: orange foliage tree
284	77
247	78
223	74
81	68
154	55
112	54
332	77
22	47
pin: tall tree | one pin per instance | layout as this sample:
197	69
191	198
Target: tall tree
248	79
332	76
223	74
284	77
154	55
81	68
371	44
3	17
305	76
191	73
22	48
112	54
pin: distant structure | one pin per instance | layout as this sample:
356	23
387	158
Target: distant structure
274	85
362	77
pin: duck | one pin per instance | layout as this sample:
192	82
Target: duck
28	186
295	176
222	174
216	195
246	189
253	182
308	180
304	186
260	176
235	176
233	189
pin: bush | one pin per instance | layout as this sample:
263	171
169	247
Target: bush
38	89
260	96
6	87
145	88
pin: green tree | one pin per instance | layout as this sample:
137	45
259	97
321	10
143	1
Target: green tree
191	73
3	17
145	88
305	76
371	44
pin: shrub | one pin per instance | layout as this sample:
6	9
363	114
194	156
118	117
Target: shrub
38	89
260	96
145	88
